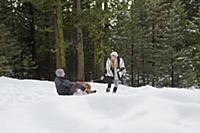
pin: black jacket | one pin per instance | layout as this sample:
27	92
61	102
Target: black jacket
63	86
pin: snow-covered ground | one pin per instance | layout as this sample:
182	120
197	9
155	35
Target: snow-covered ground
30	106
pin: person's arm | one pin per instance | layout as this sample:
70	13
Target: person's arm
122	68
108	65
67	83
122	65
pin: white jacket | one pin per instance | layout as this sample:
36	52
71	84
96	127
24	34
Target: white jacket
121	70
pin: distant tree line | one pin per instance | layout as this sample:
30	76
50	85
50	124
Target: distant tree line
158	39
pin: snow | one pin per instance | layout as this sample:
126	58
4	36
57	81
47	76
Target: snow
30	106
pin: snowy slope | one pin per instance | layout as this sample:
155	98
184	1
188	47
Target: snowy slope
30	106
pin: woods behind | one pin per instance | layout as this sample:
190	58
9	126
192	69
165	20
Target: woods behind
158	39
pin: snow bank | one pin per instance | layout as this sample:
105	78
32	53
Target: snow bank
30	106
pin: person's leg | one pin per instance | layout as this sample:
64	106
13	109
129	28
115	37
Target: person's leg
87	86
109	79
75	88
116	82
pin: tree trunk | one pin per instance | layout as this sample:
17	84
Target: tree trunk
132	65
80	51
59	35
99	59
172	74
153	63
138	77
102	41
32	31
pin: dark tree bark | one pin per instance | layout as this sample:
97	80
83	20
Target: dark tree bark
102	41
32	41
172	73
132	65
79	36
59	35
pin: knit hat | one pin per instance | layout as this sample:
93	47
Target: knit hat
60	73
114	54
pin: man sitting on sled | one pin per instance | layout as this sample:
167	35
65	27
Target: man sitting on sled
66	87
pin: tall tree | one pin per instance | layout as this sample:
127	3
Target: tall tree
8	52
173	40
59	35
79	41
101	15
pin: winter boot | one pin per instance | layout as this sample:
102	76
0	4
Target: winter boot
115	90
107	90
93	91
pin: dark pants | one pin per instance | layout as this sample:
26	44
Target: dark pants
110	81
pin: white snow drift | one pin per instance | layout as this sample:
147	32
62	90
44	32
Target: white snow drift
30	106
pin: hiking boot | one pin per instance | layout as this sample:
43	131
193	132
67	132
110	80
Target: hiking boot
107	90
93	91
115	90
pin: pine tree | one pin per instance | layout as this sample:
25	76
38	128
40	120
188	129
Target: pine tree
193	48
17	23
172	43
8	52
59	35
79	40
96	30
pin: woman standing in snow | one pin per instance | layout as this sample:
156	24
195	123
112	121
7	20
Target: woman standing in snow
115	69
